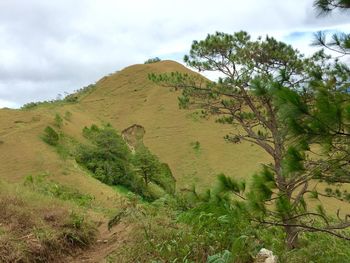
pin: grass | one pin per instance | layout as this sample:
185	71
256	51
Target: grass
37	228
43	185
43	210
121	189
196	146
168	132
165	232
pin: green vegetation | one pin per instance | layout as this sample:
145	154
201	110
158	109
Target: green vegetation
34	228
152	60
42	185
58	122
196	146
148	166
111	161
108	157
267	83
198	227
50	136
60	100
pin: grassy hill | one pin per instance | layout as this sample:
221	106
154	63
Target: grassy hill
193	147
128	97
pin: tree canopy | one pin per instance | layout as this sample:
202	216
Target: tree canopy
275	97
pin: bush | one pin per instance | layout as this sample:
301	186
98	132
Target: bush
29	105
108	157
196	146
58	120
149	167
110	160
152	60
50	136
72	98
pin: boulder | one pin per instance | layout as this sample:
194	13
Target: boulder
265	256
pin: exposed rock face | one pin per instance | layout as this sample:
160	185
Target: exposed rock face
133	136
265	256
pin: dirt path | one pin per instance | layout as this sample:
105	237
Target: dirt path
107	243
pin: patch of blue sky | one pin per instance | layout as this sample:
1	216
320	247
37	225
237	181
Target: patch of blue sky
177	56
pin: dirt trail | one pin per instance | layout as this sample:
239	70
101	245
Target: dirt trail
107	242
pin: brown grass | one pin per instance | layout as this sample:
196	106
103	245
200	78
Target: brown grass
125	98
128	97
35	228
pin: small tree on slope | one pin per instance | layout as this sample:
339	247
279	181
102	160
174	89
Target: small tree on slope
259	77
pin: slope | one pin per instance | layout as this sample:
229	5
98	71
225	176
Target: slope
194	148
23	153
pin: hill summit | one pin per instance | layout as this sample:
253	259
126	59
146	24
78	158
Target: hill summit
194	148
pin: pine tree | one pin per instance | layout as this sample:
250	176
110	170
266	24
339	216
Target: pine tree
326	6
262	82
340	42
147	164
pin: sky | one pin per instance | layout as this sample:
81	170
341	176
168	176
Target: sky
58	46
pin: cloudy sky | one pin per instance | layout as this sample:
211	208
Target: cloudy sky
51	47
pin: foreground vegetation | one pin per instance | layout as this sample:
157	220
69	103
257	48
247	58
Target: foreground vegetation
35	227
208	228
187	226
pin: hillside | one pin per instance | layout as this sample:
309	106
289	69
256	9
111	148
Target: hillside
23	153
193	148
122	99
128	97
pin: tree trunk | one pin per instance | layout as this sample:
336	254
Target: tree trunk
145	177
292	233
292	236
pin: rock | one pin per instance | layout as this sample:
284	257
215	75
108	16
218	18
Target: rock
133	136
265	256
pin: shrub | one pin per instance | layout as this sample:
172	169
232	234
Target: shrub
108	158
196	146
148	166
78	232
111	162
152	60
58	120
30	105
71	98
50	136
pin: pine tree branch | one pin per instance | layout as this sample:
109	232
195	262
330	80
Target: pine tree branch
310	228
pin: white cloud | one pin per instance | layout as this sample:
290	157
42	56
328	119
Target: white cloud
8	104
48	47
